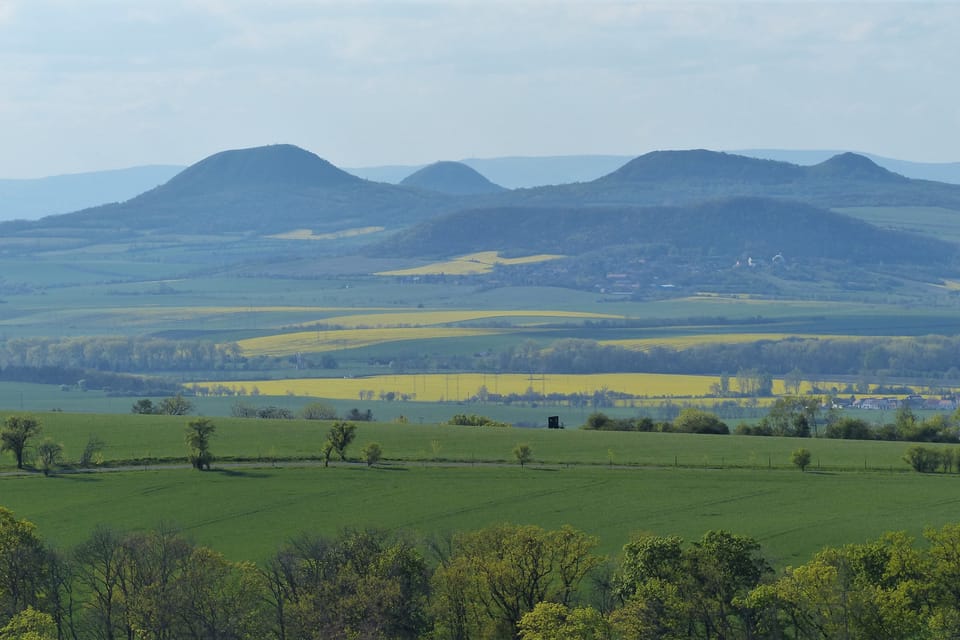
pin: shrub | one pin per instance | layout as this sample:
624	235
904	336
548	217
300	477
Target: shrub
473	420
801	458
922	459
697	421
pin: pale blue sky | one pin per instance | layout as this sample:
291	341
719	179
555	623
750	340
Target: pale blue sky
105	84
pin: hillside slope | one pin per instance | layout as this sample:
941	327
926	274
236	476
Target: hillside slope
732	228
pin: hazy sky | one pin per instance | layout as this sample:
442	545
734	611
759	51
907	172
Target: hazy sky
104	84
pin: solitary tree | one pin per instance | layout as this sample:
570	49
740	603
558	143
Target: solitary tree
49	453
144	405
17	430
340	436
801	458
175	406
523	454
372	453
92	452
199	432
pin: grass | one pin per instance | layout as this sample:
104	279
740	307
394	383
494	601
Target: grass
249	513
136	437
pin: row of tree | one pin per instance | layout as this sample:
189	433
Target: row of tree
910	357
502	581
917	357
799	417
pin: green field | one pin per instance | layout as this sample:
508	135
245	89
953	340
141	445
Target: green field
161	438
249	513
439	478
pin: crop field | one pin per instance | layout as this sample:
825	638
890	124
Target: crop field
687	341
459	387
319	341
473	263
429	318
308	234
247	513
161	438
435	387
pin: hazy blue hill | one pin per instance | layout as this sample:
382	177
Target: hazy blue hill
936	171
515	172
701	166
729	227
34	198
281	165
677	177
852	166
454	178
262	190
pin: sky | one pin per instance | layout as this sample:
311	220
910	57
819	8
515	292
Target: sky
105	84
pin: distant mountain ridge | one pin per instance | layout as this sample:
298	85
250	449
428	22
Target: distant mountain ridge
30	199
268	191
675	177
535	171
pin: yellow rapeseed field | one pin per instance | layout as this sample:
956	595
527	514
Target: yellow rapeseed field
285	344
437	387
470	264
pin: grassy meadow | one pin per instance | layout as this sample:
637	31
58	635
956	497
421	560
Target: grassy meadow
141	438
248	513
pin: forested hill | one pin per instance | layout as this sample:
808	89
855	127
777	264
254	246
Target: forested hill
451	177
676	177
263	190
280	188
732	227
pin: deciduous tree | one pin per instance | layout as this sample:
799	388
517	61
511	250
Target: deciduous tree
175	406
17	431
497	574
199	433
49	453
372	453
801	458
523	453
318	411
340	436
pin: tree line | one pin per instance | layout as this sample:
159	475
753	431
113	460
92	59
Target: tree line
501	581
923	357
907	357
